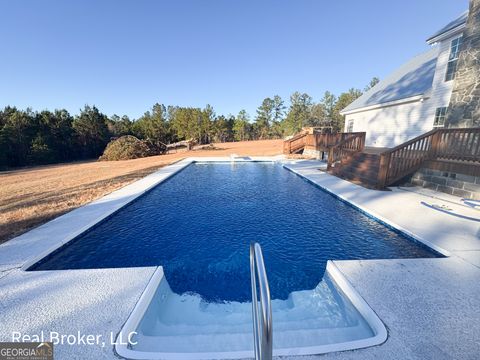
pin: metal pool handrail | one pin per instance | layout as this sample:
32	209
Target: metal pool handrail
262	322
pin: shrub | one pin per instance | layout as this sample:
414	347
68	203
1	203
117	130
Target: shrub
124	148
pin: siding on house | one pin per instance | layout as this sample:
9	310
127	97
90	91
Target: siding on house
393	125
389	126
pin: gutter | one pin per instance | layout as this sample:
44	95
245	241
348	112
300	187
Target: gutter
406	100
446	34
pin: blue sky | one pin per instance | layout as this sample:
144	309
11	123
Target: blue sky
124	56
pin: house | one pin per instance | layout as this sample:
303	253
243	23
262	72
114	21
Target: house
413	99
420	125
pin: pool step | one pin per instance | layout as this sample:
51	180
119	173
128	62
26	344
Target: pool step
186	323
234	341
183	313
238	321
245	328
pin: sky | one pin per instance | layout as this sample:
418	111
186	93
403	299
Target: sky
124	56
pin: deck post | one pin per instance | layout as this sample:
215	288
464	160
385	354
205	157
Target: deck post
383	170
362	139
434	150
330	158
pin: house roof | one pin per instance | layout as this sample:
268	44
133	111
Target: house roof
411	79
462	19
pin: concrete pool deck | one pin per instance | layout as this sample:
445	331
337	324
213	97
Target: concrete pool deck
431	307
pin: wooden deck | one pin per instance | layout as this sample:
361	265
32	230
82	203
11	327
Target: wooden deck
375	150
453	150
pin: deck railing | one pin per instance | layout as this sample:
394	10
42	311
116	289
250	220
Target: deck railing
317	141
444	144
348	146
458	144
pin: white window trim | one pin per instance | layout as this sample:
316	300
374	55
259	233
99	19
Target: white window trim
454	59
350	125
444	117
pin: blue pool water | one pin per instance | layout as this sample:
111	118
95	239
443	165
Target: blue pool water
198	225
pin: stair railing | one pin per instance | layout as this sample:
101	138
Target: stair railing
352	144
405	158
294	144
262	315
443	144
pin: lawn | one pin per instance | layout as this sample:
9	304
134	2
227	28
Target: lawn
32	196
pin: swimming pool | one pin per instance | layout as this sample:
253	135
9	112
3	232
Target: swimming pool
199	223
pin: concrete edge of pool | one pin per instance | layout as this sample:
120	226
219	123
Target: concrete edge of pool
27	249
127	194
133	321
113	202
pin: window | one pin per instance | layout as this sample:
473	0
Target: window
350	126
453	59
440	115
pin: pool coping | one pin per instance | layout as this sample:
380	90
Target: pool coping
108	212
136	189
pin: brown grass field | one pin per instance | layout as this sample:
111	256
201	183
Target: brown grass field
32	196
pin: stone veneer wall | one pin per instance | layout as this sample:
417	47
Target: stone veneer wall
465	186
464	108
312	153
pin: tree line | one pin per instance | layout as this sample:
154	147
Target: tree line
30	137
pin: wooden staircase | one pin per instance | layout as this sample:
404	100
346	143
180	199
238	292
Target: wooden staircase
360	167
296	144
457	147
